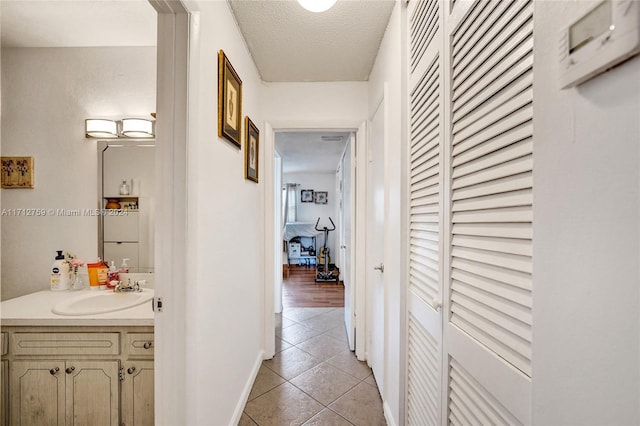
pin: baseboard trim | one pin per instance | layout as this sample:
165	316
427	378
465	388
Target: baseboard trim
387	415
247	389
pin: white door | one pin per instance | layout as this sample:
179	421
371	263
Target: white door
375	247
346	191
470	109
424	317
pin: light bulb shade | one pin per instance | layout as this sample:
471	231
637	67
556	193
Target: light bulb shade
100	128
317	5
137	128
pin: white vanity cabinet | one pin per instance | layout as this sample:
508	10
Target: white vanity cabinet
137	380
78	376
64	392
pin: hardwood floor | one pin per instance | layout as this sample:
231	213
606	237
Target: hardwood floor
300	290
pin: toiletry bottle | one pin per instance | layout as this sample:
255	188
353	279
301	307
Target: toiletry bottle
124	268
124	188
103	274
59	273
113	274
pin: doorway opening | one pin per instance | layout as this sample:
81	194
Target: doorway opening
312	217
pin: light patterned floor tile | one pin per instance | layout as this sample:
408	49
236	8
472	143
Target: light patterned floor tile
291	362
265	381
325	383
327	418
284	405
362	406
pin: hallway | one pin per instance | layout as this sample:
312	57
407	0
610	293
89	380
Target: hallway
314	379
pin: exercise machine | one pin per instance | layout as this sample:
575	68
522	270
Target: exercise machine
325	270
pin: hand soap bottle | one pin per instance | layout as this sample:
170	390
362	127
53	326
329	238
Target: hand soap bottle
124	268
59	273
113	274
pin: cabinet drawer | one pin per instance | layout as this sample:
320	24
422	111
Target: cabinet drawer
121	228
3	344
140	344
65	344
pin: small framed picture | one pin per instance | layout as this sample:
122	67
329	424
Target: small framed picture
251	150
306	195
229	101
17	172
320	197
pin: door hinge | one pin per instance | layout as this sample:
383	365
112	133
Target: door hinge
121	374
157	304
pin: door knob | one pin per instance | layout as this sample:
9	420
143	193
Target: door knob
70	370
53	371
131	370
380	267
147	345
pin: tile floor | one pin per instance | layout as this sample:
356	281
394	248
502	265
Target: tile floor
314	379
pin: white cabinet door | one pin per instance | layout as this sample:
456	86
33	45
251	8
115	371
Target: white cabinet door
123	227
137	393
119	251
37	393
92	393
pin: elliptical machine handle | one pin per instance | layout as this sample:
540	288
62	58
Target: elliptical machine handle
317	222
334	225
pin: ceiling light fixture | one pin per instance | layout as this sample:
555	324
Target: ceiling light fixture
317	5
137	128
100	128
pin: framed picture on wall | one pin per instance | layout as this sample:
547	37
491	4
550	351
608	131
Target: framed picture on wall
320	197
17	172
229	101
306	195
251	148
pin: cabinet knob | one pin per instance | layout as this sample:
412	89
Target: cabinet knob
131	370
54	371
147	345
70	370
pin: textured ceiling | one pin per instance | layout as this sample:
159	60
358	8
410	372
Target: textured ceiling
307	152
289	43
77	23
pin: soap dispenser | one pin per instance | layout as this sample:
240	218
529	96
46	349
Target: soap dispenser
59	273
113	274
124	268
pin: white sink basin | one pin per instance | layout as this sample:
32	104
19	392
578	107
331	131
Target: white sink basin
101	301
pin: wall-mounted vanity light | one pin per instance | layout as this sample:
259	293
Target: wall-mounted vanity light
133	128
137	128
100	128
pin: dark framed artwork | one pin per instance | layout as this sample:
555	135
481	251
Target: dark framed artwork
17	172
306	195
251	150
320	197
229	101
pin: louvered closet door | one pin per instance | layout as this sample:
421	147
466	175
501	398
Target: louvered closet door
426	110
489	56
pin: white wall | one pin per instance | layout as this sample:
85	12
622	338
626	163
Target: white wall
586	359
326	105
226	236
387	69
310	212
46	95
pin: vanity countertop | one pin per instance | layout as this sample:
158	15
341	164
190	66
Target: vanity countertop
35	310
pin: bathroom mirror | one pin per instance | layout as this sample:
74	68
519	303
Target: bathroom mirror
126	188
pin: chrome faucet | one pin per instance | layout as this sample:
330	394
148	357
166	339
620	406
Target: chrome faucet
123	287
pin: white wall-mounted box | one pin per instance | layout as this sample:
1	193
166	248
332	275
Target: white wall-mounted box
600	39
